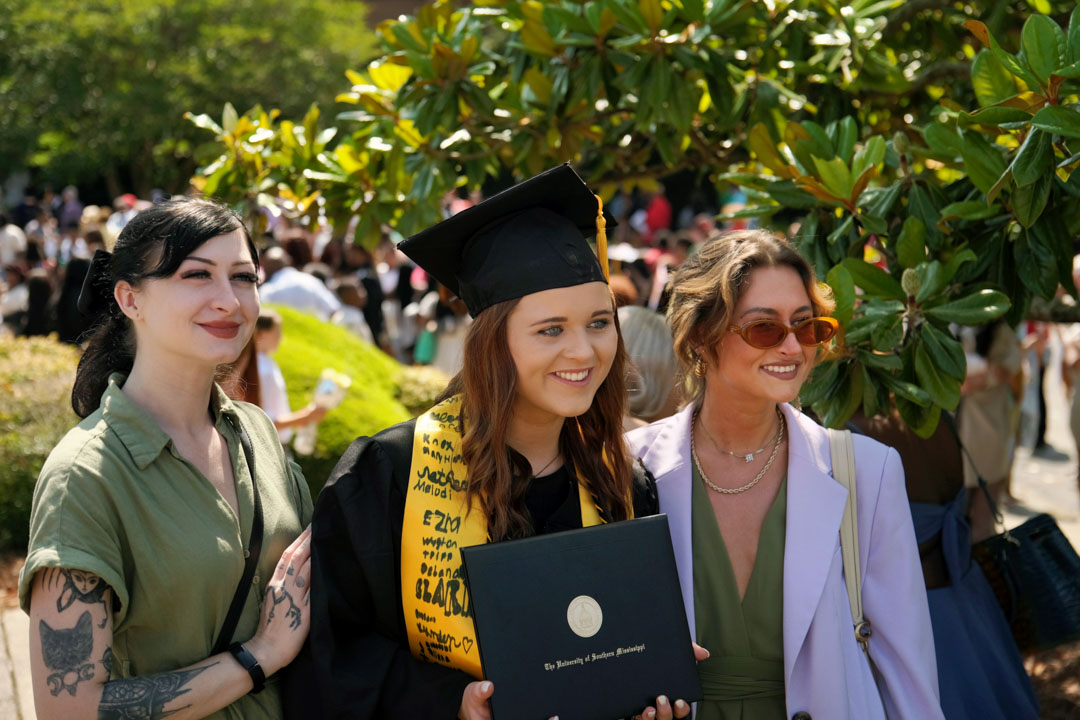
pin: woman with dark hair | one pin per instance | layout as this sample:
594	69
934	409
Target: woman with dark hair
755	511
528	436
39	319
154	540
72	325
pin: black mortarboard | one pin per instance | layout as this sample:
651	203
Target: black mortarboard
528	238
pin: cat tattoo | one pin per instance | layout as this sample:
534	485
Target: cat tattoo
67	654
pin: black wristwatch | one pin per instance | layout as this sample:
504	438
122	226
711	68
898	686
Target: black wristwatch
249	663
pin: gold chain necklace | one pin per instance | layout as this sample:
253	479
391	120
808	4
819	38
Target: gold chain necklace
752	483
748	456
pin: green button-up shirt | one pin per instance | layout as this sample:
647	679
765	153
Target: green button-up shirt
115	498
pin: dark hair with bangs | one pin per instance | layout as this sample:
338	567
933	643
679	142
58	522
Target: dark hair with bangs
152	245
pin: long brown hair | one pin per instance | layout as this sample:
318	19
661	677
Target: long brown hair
591	443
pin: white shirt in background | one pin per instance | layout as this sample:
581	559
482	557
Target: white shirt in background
275	401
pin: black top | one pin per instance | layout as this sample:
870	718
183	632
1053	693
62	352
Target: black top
356	661
526	239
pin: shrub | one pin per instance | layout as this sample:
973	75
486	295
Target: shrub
309	345
418	386
36	376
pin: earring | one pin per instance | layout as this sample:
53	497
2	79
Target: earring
699	366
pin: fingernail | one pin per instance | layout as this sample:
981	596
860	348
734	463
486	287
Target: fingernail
485	686
707	654
680	705
650	714
661	701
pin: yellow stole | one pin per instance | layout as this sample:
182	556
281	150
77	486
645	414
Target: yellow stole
438	611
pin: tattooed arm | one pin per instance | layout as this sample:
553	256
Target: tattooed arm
71	628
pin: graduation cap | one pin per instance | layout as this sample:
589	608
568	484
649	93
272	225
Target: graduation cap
526	239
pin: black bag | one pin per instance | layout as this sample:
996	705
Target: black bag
1035	574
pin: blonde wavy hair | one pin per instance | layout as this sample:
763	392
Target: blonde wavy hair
708	286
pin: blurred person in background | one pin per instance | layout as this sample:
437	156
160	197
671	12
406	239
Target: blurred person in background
651	383
288	286
71	324
272	391
351	314
988	418
12	241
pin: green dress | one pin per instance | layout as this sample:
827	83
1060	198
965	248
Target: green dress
743	679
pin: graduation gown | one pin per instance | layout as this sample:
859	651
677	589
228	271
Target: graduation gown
356	663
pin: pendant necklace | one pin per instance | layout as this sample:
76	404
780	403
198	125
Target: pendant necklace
748	457
752	483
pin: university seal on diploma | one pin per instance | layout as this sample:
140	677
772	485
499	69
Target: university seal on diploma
584	616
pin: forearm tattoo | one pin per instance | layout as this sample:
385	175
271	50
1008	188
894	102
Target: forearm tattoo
145	698
77	586
67	653
280	598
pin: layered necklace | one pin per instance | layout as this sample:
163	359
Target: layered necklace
779	440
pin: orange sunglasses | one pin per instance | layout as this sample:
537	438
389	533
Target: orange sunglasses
765	334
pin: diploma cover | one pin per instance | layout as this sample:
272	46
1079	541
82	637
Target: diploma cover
587	624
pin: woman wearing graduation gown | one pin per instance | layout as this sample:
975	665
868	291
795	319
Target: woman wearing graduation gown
527	436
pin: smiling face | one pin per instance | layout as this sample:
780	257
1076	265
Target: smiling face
563	342
774	375
204	312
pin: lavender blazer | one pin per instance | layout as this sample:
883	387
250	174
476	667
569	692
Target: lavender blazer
825	672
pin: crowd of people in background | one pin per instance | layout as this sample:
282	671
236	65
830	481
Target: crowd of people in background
47	240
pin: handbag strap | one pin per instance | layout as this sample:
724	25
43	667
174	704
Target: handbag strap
842	449
251	555
994	511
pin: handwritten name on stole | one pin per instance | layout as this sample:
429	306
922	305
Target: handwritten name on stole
435	600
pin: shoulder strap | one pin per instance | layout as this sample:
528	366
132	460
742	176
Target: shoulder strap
843	462
251	555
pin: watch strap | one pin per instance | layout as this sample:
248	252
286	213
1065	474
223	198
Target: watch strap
249	663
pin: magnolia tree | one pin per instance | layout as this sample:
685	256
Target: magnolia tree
900	133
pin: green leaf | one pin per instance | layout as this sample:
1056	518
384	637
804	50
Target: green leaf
943	140
229	118
842	403
1033	159
873	279
843	287
880	201
911	245
204	121
945	351
885	361
836	176
653	14
991	81
943	390
995	115
1058	120
1043	43
968	210
979	307
887	332
870	155
1036	264
1029	201
1072	49
843	135
906	390
1010	61
922	420
983	162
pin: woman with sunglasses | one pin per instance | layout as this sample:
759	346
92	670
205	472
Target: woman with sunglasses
755	514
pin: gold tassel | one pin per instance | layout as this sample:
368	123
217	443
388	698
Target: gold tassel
601	238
